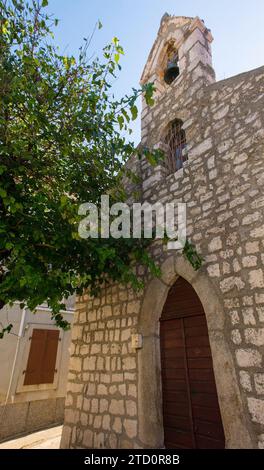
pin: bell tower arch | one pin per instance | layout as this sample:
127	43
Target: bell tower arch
181	44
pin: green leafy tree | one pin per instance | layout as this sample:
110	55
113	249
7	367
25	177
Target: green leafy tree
61	144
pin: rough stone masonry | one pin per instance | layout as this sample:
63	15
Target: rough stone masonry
114	391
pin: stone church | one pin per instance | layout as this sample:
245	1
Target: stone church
180	363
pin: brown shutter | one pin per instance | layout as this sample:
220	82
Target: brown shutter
36	353
49	359
42	357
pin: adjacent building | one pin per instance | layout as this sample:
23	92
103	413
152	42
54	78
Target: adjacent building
34	359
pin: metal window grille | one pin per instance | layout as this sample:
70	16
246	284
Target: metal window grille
176	143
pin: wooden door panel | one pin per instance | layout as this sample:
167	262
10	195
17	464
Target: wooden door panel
196	331
208	400
195	321
178	437
174	373
203	442
201	374
177	363
171	334
176	397
208	414
194	341
175	409
174	384
198	351
208	429
191	414
200	363
203	387
181	423
174	353
170	353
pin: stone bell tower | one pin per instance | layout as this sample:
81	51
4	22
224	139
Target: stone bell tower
186	41
180	66
189	40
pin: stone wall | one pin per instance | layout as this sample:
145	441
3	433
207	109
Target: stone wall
27	417
114	392
102	389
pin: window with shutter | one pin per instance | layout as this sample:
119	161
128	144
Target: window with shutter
42	357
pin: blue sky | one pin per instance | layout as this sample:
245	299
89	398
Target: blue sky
237	27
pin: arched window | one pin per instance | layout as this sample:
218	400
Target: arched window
176	146
172	70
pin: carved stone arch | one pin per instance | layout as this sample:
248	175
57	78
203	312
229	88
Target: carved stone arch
177	135
169	46
157	59
149	385
166	50
181	115
171	29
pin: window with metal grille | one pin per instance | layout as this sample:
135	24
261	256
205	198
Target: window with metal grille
42	357
176	146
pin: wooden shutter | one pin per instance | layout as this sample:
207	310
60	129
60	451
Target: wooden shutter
49	360
42	357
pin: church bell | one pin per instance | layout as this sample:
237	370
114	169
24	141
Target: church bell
172	71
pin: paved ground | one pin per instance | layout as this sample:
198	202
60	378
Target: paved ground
47	439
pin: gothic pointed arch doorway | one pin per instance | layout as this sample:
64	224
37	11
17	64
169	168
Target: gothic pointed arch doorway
191	413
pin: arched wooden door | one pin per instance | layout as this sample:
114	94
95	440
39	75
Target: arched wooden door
191	413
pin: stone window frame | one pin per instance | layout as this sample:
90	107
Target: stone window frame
175	142
166	50
165	167
171	53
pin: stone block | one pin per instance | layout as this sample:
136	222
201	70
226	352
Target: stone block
256	278
255	336
117	407
245	381
259	383
131	408
130	427
248	358
256	409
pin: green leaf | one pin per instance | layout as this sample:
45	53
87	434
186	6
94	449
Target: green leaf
120	121
3	193
7	329
3	168
150	102
148	89
126	116
134	112
99	24
115	41
45	3
9	246
190	253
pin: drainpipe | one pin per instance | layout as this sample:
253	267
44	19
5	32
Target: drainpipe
20	334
